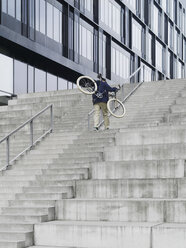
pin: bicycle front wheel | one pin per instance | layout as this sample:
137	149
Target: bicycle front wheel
116	108
86	85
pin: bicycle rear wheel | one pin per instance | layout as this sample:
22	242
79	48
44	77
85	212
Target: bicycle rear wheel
116	108
86	85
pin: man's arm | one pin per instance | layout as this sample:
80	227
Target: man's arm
111	89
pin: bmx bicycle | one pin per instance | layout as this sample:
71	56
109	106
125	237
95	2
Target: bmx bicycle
88	86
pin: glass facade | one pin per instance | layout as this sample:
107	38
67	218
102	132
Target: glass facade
110	15
120	61
107	36
136	37
86	40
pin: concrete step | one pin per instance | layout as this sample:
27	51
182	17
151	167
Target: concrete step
138	169
145	152
110	234
181	100
42	183
59	189
32	203
21	235
19	219
17	227
11	189
30	211
128	210
62	177
44	196
56	171
128	188
178	108
12	244
98	234
144	137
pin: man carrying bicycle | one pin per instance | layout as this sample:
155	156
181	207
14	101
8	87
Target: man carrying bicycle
100	99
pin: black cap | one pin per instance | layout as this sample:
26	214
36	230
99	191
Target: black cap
99	75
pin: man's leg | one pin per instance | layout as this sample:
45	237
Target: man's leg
96	115
105	114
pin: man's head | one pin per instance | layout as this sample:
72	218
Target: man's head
100	76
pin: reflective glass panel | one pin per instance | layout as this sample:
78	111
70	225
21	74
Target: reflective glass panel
6	72
49	20
40	80
62	84
18	10
51	82
56	24
11	7
20	77
37	15
42	16
4	6
30	79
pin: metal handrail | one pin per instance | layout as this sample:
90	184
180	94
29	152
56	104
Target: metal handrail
122	88
32	142
6	92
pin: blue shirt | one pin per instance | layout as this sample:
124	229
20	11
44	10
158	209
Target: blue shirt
104	88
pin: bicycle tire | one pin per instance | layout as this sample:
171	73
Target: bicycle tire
120	106
86	85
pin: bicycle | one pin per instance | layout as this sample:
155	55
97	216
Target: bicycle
88	86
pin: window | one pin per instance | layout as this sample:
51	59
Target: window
62	84
6	72
86	40
40	16
20	77
149	48
51	82
170	8
184	23
54	23
18	10
164	5
40	80
147	74
179	69
170	36
175	41
50	20
87	5
159	56
180	17
102	52
12	8
30	79
31	14
120	61
136	36
110	15
168	63
155	20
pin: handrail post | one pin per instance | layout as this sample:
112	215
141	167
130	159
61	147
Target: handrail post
143	73
51	117
7	150
122	91
31	133
88	122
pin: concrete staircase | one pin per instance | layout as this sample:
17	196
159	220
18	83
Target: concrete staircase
119	188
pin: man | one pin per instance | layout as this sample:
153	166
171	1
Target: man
100	99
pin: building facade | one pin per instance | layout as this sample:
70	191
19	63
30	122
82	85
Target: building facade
46	44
